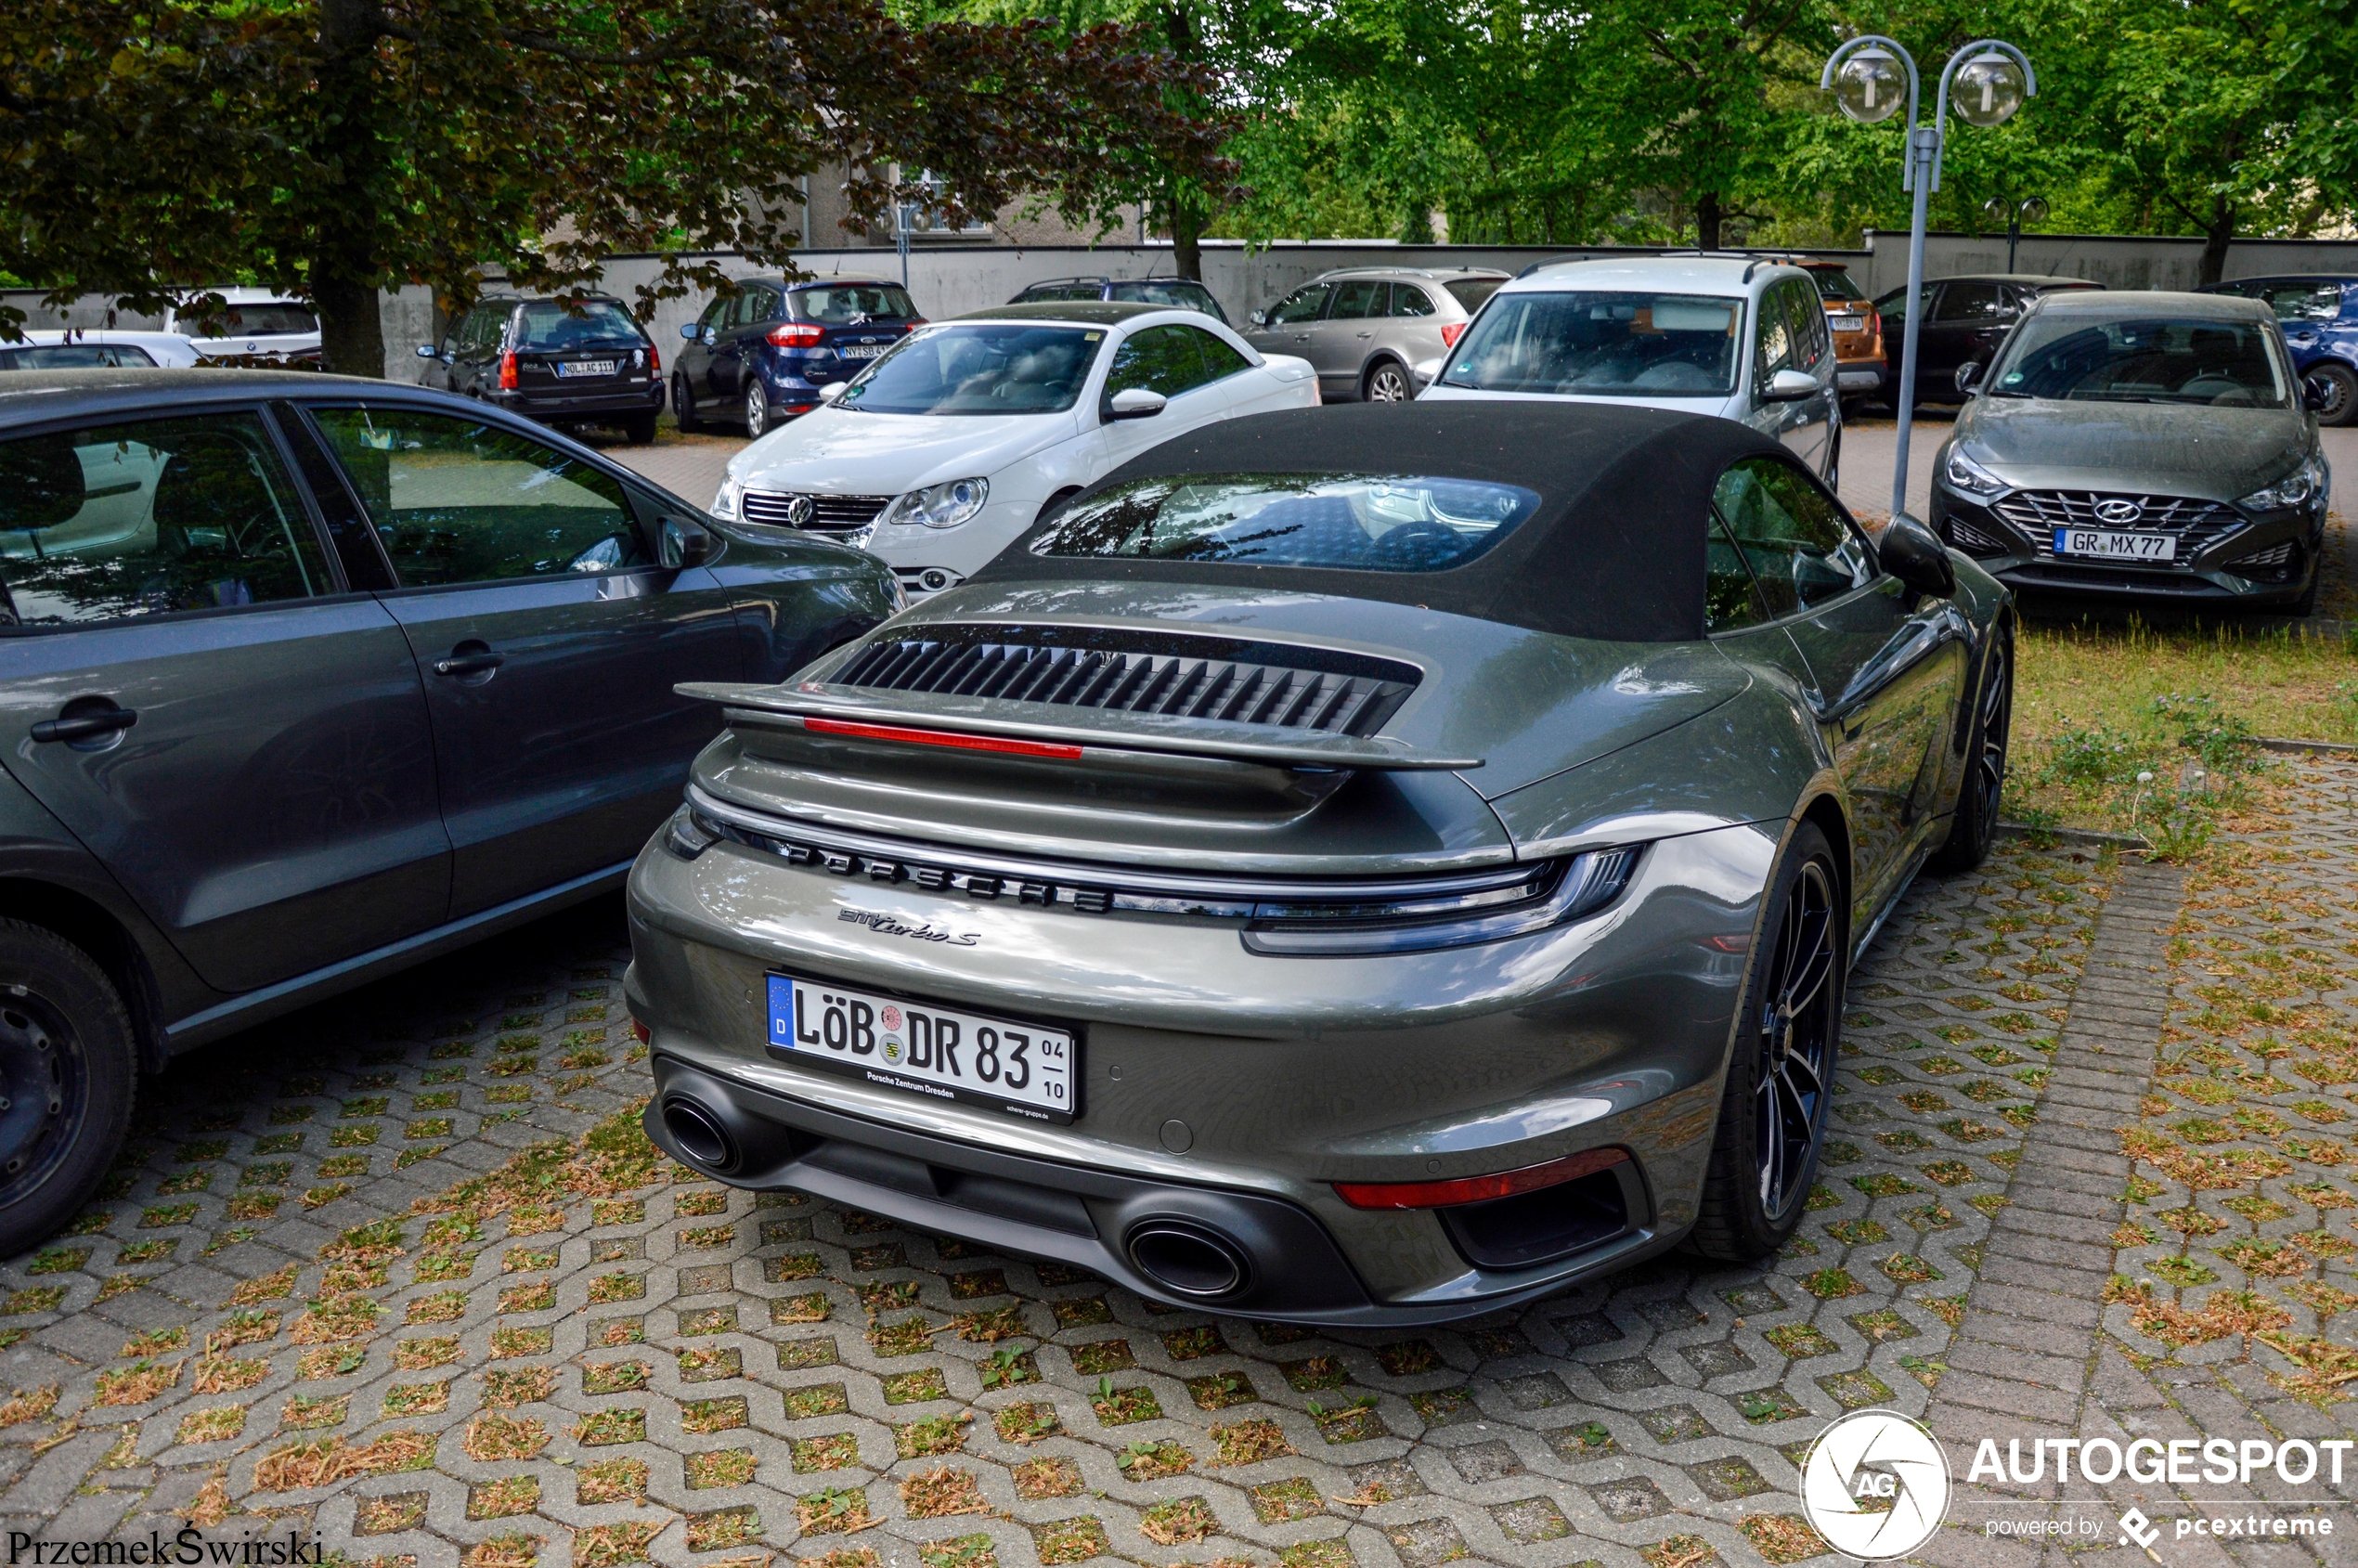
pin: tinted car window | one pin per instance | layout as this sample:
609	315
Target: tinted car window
978	369
1834	285
1773	338
248	321
841	303
1218	358
1354	522
1800	548
1177	293
461	500
1895	303
1638	344
1356	302
74	357
1163	359
481	330
1970	302
2303	301
1731	600
546	327
1812	338
1302	304
1409	300
149	517
2224	363
1471	291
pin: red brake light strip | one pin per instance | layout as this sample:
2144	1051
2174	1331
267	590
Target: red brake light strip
943	737
1478	1189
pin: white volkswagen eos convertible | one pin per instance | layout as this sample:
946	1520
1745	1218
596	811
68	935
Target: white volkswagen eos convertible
969	430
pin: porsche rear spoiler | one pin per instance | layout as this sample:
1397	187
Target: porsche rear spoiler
1073	736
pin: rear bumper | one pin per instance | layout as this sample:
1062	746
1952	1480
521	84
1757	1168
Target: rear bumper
545	406
1859	378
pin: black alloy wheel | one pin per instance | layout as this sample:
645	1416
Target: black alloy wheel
1982	790
1794	1043
757	409
1386	383
1785	1041
66	1081
683	405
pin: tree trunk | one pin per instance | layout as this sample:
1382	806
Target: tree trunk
1187	235
1707	221
344	269
2217	236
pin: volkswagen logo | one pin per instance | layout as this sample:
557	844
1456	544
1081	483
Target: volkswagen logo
798	512
2117	511
1875	1485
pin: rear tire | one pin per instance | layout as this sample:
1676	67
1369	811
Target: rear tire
757	410
682	405
2341	392
1975	827
68	1072
640	429
1781	1069
1386	382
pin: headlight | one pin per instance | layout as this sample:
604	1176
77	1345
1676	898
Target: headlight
725	503
1556	891
2299	487
1965	474
941	506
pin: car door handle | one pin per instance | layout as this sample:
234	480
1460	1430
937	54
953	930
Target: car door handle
1302	337
85	726
465	660
1363	334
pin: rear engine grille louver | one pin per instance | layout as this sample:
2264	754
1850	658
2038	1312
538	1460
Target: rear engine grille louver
1143	679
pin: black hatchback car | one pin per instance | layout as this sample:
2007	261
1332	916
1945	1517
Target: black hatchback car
563	363
1965	319
305	678
763	355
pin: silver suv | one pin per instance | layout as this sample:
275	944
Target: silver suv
1364	326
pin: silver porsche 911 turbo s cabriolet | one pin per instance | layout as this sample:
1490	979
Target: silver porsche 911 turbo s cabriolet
1364	865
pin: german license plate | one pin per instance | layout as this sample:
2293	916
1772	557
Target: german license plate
586	367
1845	323
861	350
1015	1065
2104	545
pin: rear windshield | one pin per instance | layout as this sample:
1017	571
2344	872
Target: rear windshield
1471	291
846	304
978	369
2224	364
549	327
73	356
1178	294
247	321
1597	344
1834	285
1361	523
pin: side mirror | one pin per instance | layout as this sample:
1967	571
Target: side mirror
1914	554
1790	386
1137	402
832	391
691	332
1968	376
1260	318
2315	396
428	351
684	544
1424	373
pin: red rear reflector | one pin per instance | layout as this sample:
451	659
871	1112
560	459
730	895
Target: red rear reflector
1478	1189
942	737
644	1034
1452	332
654	361
508	372
797	334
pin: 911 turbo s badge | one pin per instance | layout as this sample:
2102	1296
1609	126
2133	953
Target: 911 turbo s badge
886	926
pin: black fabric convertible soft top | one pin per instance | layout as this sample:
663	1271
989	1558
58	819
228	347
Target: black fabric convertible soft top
1614	552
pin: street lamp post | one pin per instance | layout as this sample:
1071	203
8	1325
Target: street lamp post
2031	209
1986	82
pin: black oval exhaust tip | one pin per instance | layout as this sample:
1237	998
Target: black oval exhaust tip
699	1134
1190	1259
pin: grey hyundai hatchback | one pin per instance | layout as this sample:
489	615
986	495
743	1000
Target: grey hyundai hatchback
305	678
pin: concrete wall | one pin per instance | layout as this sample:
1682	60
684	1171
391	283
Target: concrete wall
947	278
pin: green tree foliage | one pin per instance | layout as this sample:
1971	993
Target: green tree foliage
340	147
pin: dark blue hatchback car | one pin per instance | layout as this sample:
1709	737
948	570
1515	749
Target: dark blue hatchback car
765	354
2319	314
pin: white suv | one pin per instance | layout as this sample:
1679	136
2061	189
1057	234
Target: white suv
1737	337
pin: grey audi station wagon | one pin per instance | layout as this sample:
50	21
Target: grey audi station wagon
1366	865
305	678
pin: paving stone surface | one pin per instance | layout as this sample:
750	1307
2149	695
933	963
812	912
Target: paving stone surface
291	1311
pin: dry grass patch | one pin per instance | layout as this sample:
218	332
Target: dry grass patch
606	1546
216	1425
327	1460
138	1384
833	1511
724	1528
1783	1537
1070	1540
940	1492
611	1481
491	1439
1246	1443
722	1467
1036	1479
1179	1522
268	1288
1679	1551
505	1389
222	1374
510	1551
504	1498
